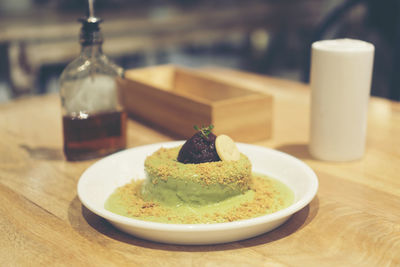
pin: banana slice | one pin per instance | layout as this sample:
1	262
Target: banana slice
226	148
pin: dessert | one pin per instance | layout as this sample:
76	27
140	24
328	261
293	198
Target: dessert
172	182
206	180
194	174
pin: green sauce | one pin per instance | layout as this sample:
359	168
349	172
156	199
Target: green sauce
266	195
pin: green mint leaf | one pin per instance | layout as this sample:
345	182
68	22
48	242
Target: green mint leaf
205	130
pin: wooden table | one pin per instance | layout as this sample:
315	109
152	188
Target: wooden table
353	221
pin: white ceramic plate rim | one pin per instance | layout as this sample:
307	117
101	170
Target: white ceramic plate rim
298	205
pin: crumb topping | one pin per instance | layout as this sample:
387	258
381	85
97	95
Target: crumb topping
163	165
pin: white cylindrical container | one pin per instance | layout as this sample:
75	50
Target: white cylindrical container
341	72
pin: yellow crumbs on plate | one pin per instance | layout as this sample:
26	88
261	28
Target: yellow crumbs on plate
265	196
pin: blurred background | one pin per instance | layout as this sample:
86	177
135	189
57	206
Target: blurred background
273	37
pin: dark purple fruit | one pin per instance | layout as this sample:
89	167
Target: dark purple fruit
199	148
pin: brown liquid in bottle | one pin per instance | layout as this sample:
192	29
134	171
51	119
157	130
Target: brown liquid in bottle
95	136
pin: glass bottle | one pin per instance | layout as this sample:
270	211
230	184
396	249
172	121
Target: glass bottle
94	122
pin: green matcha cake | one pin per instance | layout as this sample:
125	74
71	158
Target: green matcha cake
173	183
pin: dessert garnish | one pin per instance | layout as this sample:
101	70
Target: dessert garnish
204	130
200	147
226	148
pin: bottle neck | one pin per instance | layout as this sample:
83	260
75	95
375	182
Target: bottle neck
92	50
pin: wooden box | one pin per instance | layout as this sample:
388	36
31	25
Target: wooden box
175	99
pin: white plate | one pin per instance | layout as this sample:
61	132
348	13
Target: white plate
103	177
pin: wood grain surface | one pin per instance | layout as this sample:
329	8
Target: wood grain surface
353	221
